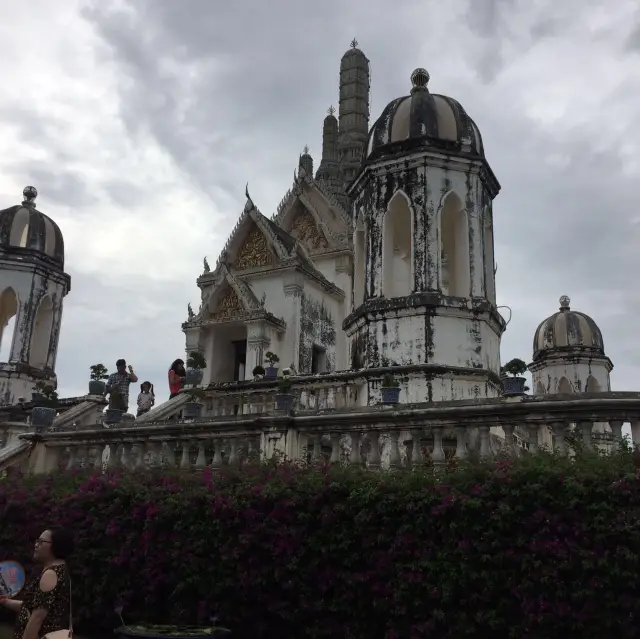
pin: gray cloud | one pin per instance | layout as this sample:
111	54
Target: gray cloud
201	97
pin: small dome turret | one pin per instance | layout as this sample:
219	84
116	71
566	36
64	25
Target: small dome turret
24	228
306	162
569	332
424	119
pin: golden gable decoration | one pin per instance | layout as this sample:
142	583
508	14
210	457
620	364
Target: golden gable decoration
254	252
229	306
304	229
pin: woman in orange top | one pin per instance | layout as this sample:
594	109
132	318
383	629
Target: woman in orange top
177	375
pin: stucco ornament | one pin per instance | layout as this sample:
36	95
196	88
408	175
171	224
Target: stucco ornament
305	230
254	252
229	306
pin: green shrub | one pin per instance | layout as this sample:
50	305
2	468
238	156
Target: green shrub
543	547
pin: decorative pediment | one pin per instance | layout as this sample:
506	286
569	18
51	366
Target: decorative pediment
306	231
255	252
255	242
330	220
228	307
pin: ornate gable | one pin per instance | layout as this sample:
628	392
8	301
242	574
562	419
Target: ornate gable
255	252
255	241
231	298
306	231
332	226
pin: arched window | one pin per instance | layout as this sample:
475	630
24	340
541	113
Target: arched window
564	386
593	386
41	336
397	248
359	266
455	272
8	315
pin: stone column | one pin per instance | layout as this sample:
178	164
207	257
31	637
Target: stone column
586	428
559	430
635	432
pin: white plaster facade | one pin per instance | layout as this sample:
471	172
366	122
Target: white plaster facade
33	285
387	268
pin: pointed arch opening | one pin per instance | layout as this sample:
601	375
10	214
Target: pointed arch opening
540	390
455	272
564	386
359	265
397	248
41	336
593	385
8	317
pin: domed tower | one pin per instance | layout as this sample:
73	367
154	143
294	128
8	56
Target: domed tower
424	285
32	288
568	354
353	111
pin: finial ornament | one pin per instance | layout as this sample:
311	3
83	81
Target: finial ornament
420	79
565	300
30	193
331	110
306	149
354	44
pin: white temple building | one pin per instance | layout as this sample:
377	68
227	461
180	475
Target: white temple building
379	265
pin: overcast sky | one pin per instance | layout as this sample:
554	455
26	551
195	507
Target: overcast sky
140	122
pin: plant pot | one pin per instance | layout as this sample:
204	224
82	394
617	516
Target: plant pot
512	386
271	372
390	394
284	401
194	376
192	410
172	632
113	416
42	417
96	387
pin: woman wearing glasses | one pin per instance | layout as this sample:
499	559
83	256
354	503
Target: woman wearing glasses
45	604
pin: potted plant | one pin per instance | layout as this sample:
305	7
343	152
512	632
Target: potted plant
193	407
45	401
99	373
271	372
284	397
513	383
195	368
258	372
390	389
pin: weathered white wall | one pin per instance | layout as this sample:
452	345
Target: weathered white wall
548	378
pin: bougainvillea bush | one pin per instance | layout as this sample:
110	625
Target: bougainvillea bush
542	547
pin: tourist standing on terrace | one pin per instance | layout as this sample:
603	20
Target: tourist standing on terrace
177	375
118	386
45	606
146	398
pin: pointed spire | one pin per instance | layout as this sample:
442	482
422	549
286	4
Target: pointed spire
354	44
331	110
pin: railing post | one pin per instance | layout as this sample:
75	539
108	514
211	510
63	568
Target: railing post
616	430
635	432
437	456
416	453
586	428
394	454
461	442
509	441
559	431
355	457
335	448
373	458
485	445
533	430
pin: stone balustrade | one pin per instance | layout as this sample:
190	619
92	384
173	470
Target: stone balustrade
376	437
